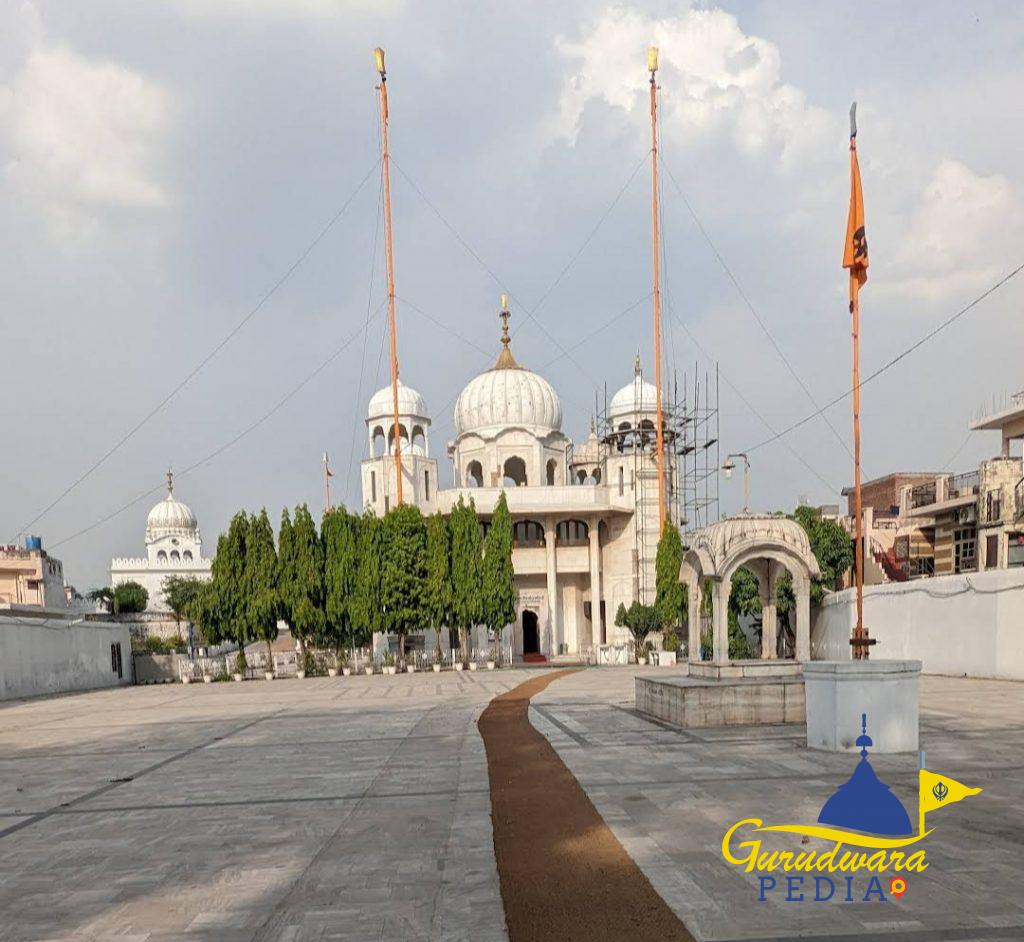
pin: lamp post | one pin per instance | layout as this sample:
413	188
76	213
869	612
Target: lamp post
730	466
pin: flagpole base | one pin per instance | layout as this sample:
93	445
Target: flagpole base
838	692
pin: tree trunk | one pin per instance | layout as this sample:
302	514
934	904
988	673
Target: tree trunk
270	656
463	645
401	647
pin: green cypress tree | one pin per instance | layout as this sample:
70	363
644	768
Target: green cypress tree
229	578
366	605
207	612
498	578
439	576
404	573
286	570
261	582
466	571
307	581
670	598
339	533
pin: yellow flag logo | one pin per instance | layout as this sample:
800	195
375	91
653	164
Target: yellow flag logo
937	791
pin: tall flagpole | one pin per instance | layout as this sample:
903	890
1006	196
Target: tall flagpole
389	255
652	66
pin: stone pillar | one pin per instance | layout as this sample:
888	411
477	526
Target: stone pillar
802	591
720	620
769	614
693	618
595	585
553	607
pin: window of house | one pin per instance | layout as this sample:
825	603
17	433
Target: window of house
572	533
1015	549
992	507
965	541
527	533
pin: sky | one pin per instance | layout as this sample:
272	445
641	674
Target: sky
164	166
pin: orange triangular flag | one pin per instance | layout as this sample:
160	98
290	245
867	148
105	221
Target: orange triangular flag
855	249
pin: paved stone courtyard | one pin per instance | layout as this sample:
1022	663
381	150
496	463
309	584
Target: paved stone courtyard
357	808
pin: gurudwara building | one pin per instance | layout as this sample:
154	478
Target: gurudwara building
585	516
174	547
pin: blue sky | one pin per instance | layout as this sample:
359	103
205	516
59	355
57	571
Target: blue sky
161	168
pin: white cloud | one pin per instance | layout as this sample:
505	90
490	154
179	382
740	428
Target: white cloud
716	79
954	237
82	136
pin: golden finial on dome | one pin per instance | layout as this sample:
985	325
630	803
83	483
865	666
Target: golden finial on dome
505	359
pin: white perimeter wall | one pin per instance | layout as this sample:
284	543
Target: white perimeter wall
41	656
969	624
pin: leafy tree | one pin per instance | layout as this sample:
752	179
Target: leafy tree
439	577
104	595
404	573
262	604
129	598
180	593
498	606
207	612
641	620
339	533
305	579
467	592
744	601
671	595
367	616
229	577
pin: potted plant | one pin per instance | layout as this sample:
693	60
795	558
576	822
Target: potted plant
437	661
240	667
473	665
346	667
368	670
388	663
268	675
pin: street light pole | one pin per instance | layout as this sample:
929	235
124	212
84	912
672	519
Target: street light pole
728	468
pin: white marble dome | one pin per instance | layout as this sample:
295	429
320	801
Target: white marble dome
637	398
508	397
170	516
410	402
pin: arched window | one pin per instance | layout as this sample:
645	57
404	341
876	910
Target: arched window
378	447
595	476
573	533
373	487
187	556
426	485
647	431
527	533
175	556
552	464
419	440
581	476
161	557
474	474
514	472
622	481
403	434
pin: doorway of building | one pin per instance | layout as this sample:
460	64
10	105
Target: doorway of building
531	636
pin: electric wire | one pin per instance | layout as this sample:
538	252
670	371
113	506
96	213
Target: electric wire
896	359
273	410
204	361
750	307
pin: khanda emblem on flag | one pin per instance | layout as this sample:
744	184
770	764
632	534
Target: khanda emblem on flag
940	791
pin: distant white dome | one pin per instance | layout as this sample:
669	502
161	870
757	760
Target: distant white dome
410	403
636	399
507	397
170	516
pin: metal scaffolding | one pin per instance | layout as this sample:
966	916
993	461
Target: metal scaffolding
699	453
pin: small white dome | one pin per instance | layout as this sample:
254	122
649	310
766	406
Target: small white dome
170	516
410	403
505	398
638	398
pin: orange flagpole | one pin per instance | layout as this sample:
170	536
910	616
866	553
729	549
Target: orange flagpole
652	65
389	255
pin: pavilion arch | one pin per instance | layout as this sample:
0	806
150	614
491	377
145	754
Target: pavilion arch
514	472
377	442
419	440
403	434
765	545
474	474
552	467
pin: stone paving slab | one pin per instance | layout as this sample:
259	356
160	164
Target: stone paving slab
670	794
336	808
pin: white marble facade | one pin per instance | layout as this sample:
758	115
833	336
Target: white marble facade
174	547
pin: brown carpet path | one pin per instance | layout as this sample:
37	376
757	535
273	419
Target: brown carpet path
563	874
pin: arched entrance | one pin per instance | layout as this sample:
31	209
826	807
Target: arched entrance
531	633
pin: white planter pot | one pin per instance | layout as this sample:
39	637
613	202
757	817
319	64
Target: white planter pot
186	679
411	668
207	679
641	661
301	675
472	665
332	672
490	665
390	670
237	678
368	671
269	675
345	671
459	665
437	668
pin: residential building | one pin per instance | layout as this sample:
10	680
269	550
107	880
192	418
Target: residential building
31	576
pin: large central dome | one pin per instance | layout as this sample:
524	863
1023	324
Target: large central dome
508	396
170	516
